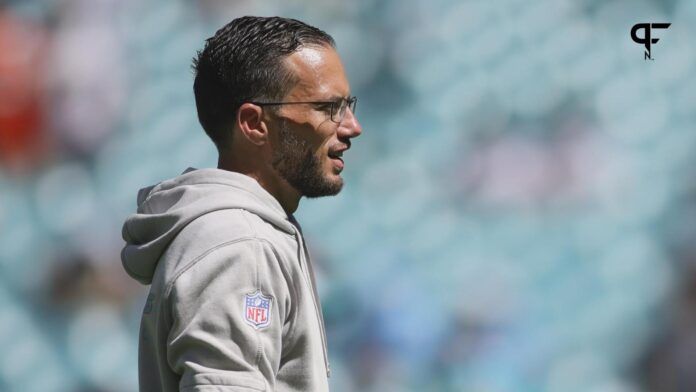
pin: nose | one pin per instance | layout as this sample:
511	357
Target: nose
349	127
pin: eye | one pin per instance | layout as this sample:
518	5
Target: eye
325	107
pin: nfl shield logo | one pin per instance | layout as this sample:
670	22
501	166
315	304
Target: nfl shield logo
257	309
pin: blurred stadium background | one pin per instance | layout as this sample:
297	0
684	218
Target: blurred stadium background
519	215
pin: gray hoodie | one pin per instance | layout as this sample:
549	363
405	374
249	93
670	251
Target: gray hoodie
232	303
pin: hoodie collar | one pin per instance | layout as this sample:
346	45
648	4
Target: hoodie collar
167	207
225	177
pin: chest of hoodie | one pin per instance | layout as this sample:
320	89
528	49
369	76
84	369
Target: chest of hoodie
303	331
309	324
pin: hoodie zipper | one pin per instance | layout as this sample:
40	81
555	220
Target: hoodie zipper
320	319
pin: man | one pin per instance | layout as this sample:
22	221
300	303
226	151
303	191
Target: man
233	304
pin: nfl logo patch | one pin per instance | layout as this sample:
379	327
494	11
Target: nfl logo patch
257	309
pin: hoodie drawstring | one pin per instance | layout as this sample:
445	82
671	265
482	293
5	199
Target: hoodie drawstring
309	277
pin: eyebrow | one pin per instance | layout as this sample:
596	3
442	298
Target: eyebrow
337	97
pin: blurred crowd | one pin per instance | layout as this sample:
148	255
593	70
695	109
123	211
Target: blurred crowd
519	213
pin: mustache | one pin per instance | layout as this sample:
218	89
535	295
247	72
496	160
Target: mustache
344	145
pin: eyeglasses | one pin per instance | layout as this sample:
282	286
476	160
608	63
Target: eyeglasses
337	108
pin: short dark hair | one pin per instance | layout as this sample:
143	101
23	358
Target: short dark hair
243	62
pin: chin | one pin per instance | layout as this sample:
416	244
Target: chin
333	183
335	179
338	182
317	179
330	185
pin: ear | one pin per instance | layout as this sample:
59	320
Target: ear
251	124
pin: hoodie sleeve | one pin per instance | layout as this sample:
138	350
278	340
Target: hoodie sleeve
228	311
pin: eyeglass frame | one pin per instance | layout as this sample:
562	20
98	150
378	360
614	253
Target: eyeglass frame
351	102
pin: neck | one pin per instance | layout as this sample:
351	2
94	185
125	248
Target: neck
281	190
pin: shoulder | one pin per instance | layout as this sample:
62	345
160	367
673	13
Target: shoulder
214	284
237	258
227	239
218	226
230	224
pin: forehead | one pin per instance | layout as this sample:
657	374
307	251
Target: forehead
319	72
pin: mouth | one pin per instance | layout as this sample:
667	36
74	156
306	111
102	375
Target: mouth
337	158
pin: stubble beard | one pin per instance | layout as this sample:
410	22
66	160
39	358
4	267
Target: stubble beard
295	161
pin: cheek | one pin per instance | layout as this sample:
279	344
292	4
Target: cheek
317	134
321	141
322	156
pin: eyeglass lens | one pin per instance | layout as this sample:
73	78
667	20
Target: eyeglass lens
339	109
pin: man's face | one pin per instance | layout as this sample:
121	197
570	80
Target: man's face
307	146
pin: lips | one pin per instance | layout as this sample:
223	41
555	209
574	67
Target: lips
338	151
336	154
337	157
338	162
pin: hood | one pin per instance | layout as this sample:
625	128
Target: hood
167	207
